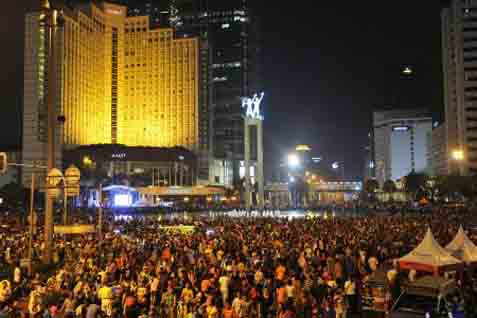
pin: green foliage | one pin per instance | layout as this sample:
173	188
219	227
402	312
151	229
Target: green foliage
370	186
389	186
416	182
15	195
456	187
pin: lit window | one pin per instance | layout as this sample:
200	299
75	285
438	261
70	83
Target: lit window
220	79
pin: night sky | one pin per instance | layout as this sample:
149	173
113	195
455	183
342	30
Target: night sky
326	68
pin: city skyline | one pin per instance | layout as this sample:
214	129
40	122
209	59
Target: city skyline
336	79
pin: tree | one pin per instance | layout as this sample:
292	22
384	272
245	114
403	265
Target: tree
416	184
370	186
15	196
369	190
389	186
456	187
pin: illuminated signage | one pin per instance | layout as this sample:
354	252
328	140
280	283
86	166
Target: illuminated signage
122	200
400	128
253	106
114	11
118	155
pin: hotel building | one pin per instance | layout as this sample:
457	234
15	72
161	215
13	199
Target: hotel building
117	81
459	52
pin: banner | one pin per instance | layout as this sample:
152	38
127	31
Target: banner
75	229
184	229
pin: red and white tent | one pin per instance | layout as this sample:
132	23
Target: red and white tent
429	256
462	248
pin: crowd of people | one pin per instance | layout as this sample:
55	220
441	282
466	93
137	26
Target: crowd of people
222	268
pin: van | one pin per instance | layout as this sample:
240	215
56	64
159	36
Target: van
429	297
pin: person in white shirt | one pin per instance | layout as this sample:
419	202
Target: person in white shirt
290	289
17	275
350	294
224	282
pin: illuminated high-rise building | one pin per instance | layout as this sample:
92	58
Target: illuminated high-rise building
459	52
230	62
117	82
402	143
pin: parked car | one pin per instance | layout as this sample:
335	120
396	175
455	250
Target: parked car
429	297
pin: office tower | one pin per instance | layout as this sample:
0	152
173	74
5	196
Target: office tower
368	169
459	51
439	155
401	143
118	82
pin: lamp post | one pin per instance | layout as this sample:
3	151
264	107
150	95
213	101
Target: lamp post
293	161
181	170
51	21
100	212
339	165
458	156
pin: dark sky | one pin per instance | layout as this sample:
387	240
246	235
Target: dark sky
326	68
329	65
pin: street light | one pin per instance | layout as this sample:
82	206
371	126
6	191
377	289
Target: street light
337	165
458	155
293	160
407	70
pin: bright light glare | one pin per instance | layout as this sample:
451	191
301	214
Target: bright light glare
123	200
335	165
292	179
458	155
293	160
407	70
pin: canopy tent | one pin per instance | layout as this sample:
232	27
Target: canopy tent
429	256
462	248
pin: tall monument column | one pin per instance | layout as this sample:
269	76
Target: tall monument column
259	167
248	194
252	118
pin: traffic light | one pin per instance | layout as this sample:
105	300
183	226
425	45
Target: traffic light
3	162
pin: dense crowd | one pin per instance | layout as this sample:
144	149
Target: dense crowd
225	268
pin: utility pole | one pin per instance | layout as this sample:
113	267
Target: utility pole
51	22
65	207
50	25
100	213
32	212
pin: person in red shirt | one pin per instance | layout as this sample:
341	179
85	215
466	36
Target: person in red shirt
281	295
228	311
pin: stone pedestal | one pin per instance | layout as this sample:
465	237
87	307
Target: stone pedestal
249	123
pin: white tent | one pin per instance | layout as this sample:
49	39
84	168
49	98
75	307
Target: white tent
429	256
463	248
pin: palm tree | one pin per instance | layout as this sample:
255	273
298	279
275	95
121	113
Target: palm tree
389	186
